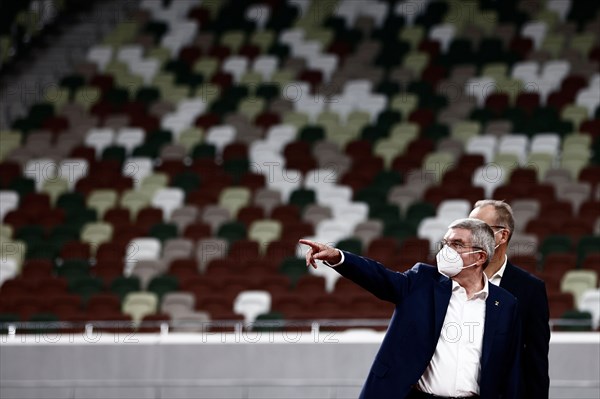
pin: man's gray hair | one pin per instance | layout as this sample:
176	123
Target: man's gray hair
504	214
482	235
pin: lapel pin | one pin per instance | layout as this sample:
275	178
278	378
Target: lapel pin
496	303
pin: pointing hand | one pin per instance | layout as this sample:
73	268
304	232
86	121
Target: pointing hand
319	251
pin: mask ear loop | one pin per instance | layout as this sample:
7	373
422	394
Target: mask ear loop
497	245
468	253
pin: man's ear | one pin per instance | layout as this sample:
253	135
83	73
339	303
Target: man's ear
483	256
504	234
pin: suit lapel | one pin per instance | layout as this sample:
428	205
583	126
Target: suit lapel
507	277
442	293
492	312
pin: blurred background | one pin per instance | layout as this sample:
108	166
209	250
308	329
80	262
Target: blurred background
160	159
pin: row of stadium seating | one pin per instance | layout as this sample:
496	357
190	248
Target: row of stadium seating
198	142
26	25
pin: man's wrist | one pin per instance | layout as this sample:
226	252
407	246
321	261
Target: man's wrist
342	258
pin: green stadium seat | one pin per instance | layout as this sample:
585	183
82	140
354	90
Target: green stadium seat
269	322
388	213
302	197
418	211
385	180
73	268
371	196
114	152
86	286
555	244
188	181
204	150
294	268
353	245
163	231
124	285
161	285
587	245
581	321
399	230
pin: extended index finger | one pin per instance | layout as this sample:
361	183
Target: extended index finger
314	245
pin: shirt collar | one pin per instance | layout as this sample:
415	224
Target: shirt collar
500	271
483	293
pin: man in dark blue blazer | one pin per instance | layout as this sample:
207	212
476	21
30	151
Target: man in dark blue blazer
529	290
452	334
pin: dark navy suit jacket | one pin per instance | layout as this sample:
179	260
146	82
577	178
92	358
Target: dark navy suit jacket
533	306
421	296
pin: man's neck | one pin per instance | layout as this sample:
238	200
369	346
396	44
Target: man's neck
472	282
496	262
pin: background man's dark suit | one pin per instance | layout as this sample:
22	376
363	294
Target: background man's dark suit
533	305
421	296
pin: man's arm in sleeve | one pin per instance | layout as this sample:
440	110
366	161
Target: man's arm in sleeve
374	277
385	284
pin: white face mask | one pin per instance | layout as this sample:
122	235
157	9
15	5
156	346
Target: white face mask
450	263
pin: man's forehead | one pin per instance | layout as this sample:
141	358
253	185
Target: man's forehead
486	213
458	234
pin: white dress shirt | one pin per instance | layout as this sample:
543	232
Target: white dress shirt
497	277
455	366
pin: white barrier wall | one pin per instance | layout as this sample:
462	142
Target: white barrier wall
246	365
